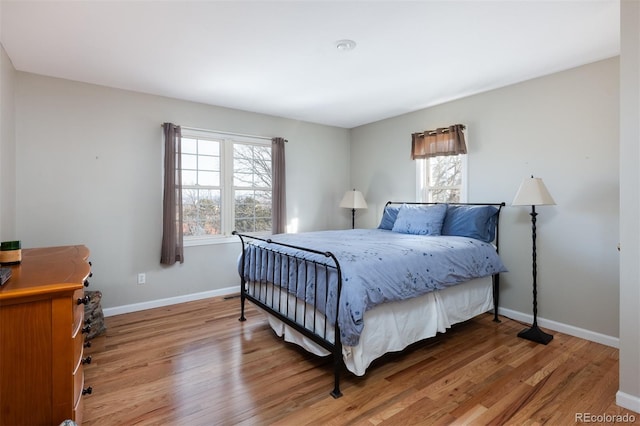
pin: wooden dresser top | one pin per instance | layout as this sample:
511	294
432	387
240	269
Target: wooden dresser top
47	270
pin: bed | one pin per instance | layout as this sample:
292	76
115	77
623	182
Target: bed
426	267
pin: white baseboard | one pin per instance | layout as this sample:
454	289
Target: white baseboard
518	316
562	328
134	307
630	402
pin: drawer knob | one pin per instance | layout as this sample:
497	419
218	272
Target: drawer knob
87	344
88	390
83	301
86	283
86	329
86	360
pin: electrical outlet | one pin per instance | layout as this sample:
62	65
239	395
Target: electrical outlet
142	278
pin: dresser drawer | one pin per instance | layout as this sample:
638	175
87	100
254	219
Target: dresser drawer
78	410
78	349
78	383
78	310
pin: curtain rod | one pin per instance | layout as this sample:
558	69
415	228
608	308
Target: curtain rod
226	133
442	130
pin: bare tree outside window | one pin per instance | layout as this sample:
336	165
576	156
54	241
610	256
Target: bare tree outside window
201	191
201	212
445	179
441	179
252	187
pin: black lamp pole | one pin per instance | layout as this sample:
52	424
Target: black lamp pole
534	333
353	218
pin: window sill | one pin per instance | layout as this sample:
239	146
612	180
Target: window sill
227	239
193	242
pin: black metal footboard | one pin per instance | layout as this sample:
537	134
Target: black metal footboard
280	288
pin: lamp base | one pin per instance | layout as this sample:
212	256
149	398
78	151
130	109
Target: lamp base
535	335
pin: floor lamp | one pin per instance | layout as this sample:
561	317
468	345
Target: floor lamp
532	192
353	200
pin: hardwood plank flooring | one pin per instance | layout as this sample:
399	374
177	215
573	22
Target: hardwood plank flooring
196	364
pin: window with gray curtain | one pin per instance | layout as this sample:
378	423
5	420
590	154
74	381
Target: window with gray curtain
230	182
172	249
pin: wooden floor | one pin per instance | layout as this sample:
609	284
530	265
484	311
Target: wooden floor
196	364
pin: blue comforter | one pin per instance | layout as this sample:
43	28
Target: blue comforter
377	266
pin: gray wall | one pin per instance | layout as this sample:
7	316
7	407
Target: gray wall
563	128
7	149
90	172
629	394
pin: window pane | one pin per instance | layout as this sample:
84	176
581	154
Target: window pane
210	211
189	177
242	165
242	150
244	204
201	212
252	165
253	225
189	161
262	166
263	198
252	169
444	178
243	179
207	147
445	195
207	162
253	211
189	146
208	178
445	171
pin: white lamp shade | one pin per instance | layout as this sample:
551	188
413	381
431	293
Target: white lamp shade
353	200
532	192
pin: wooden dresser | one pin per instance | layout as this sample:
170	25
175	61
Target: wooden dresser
41	337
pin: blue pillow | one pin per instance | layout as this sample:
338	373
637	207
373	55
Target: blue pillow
389	217
420	219
477	222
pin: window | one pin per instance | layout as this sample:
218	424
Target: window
226	185
442	179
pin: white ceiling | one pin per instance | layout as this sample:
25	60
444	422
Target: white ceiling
279	57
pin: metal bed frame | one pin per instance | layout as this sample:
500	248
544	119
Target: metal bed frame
301	315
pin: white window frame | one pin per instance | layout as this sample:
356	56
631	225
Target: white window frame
227	208
422	179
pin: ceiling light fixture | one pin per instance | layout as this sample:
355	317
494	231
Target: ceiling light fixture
345	45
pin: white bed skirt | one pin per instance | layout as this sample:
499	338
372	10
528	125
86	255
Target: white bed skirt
393	326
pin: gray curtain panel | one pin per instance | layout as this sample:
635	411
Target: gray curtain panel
278	200
172	238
